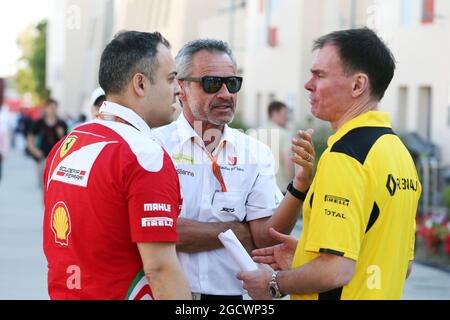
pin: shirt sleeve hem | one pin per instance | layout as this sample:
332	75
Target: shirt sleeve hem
140	239
255	215
317	248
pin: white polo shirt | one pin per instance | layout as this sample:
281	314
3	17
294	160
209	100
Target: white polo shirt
247	167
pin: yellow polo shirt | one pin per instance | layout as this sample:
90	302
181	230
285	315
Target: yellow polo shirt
362	205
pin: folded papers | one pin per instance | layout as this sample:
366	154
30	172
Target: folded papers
237	251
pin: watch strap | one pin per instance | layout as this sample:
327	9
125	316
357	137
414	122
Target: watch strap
296	193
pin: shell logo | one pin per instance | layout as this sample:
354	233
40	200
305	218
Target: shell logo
67	145
60	223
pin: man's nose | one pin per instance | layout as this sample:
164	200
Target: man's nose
309	85
223	92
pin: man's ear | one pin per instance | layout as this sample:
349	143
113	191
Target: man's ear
360	84
139	83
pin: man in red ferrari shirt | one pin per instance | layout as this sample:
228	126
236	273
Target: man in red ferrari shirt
112	195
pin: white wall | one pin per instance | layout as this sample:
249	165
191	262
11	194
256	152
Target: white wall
422	53
271	71
78	32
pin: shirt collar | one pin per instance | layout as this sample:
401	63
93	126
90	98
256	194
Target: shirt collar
186	132
368	119
126	114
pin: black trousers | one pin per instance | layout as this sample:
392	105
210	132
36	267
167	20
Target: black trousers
214	297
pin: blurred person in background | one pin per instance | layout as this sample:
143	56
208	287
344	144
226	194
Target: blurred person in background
4	137
281	147
44	134
97	98
24	123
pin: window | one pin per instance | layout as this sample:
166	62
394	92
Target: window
448	115
259	108
448	104
425	109
427	11
406	13
402	112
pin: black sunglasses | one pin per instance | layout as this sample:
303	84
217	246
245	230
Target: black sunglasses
212	84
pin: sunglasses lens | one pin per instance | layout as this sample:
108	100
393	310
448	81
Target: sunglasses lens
212	84
234	84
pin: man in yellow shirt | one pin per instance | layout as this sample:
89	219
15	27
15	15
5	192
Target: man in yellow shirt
359	212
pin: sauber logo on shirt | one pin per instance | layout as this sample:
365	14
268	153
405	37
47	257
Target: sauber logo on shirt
232	161
159	207
67	145
157	222
180	158
185	173
60	223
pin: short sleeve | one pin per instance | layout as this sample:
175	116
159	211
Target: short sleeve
339	212
154	201
265	195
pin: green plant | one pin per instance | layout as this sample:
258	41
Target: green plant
446	197
30	77
239	124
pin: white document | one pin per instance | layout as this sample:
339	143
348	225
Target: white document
237	251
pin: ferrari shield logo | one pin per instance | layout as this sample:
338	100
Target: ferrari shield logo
67	145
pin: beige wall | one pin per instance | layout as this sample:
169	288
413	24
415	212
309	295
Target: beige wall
78	33
177	20
281	72
181	21
422	53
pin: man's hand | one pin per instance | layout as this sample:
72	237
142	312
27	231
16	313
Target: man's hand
195	236
303	160
280	256
257	282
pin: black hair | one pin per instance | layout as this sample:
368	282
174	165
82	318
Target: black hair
275	106
50	101
130	52
361	50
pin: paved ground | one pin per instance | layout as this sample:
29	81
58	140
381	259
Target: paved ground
22	262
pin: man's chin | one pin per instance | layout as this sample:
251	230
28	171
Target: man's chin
220	121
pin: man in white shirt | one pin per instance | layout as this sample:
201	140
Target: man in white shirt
227	178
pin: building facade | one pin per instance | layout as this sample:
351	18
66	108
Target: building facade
78	31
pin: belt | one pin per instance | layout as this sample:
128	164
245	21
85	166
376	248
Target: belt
201	296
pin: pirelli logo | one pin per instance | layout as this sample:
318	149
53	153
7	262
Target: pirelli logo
158	207
337	200
157	222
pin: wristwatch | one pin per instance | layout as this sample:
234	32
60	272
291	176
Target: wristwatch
298	194
274	290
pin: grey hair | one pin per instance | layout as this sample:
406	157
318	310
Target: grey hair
183	60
